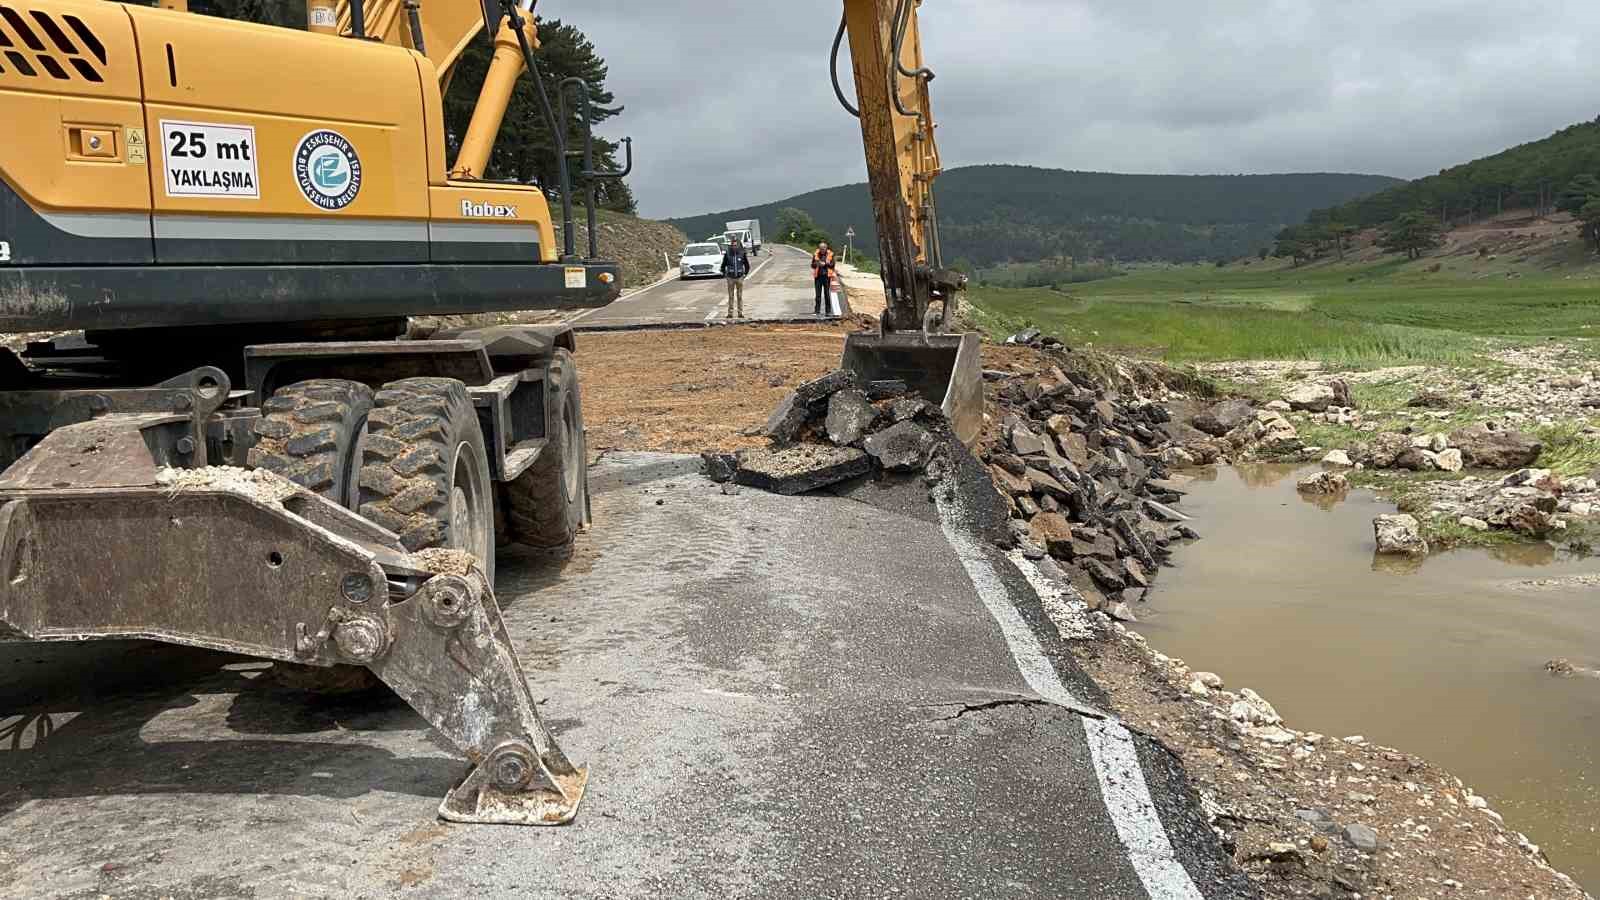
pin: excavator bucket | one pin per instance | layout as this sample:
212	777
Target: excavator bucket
941	368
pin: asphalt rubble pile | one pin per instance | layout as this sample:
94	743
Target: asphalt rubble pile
1082	469
835	429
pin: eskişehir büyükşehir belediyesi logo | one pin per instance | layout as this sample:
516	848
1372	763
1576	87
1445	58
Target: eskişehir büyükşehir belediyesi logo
327	169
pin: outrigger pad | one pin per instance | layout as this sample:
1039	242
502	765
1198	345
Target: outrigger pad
449	656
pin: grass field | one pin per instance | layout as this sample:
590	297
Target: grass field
1357	316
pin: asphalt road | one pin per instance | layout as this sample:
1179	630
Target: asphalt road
817	697
779	287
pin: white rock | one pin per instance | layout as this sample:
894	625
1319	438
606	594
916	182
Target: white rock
1474	524
1399	534
1309	397
1337	458
1252	709
1198	688
1422	441
1272	734
1448	460
1438	443
1476	802
1279	406
1209	679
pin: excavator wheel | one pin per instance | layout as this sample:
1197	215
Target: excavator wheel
425	472
311	433
545	505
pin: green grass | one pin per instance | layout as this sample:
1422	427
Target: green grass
1347	316
1568	452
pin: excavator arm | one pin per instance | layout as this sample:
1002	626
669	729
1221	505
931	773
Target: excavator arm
897	131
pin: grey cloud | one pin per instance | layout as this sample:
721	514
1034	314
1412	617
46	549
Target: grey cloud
729	103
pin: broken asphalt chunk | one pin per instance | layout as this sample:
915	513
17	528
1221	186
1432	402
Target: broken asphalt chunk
800	469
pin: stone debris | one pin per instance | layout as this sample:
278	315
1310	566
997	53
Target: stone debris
801	468
830	430
1082	464
1031	337
1323	483
902	447
850	415
1399	535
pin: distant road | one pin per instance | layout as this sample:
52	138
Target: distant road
778	288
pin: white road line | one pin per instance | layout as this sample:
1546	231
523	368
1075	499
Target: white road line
1116	764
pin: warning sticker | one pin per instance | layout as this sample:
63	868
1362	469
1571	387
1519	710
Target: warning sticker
577	278
133	139
202	160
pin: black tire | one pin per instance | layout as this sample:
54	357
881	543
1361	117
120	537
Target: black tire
310	433
425	473
545	506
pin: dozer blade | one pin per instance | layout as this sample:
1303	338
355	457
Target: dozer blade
248	562
941	368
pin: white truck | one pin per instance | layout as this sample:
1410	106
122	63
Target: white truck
748	231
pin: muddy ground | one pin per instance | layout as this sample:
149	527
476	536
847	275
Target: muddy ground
1285	800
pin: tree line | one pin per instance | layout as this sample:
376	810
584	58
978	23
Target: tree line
1560	172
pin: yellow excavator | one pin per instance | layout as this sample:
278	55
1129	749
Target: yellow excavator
223	438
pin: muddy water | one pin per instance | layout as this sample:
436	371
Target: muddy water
1444	659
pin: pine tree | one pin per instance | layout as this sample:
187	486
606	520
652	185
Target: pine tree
1413	233
525	149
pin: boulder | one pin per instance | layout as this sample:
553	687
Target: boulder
1121	611
1310	397
1045	483
1052	532
1252	709
1014	485
1010	463
1361	837
1399	535
1475	524
1111	579
1279	406
1177	458
1337	458
799	469
1074	447
1026	443
850	414
1224	417
903	447
1027	506
1449	460
1486	446
1384	450
1525	510
1416	459
1323	483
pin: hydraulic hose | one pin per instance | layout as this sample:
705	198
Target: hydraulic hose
833	68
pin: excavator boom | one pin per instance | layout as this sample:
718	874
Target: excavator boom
902	153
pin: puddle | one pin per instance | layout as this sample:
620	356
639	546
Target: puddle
1443	657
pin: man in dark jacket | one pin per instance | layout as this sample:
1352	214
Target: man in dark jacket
735	266
822	266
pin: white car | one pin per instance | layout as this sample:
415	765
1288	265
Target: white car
700	261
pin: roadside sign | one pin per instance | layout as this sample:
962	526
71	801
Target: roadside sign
850	232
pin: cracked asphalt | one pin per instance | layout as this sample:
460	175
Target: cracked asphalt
777	697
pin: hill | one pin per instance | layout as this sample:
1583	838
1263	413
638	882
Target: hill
992	214
1528	176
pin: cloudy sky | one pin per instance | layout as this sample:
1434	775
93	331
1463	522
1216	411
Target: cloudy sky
729	103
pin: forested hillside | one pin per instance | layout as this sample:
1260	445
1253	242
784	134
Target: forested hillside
992	214
1528	176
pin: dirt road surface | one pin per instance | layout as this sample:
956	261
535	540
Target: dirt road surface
775	701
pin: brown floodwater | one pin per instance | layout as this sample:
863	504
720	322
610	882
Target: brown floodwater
1443	658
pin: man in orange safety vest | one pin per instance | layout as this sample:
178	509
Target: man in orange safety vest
822	268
